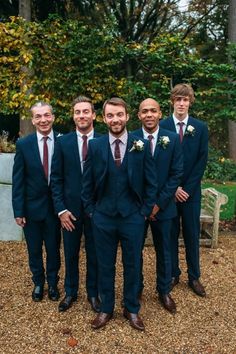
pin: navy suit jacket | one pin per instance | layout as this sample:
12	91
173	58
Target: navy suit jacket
195	152
66	174
141	174
169	169
31	195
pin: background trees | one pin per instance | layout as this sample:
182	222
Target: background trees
133	49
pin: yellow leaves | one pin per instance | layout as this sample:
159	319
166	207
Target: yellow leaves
27	57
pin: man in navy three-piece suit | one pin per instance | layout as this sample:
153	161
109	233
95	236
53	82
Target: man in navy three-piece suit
119	188
32	201
66	184
167	154
194	137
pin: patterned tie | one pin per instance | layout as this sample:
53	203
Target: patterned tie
181	132
150	137
84	147
117	155
45	156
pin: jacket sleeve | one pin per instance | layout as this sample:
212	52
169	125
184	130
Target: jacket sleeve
18	184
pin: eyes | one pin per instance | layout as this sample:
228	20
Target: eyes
119	115
151	110
84	111
40	116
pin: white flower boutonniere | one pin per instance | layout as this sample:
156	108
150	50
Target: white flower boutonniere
137	145
163	141
190	130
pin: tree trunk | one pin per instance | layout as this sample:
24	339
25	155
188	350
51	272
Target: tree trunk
26	126
232	38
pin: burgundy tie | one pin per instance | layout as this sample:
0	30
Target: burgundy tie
181	132
150	137
45	156
117	155
84	147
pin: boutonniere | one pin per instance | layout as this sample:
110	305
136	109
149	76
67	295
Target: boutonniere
163	141
137	145
58	135
190	130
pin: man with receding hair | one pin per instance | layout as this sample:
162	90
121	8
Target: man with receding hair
32	201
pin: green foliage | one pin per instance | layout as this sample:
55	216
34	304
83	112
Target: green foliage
57	60
220	168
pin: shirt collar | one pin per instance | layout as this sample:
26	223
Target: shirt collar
154	134
123	138
89	135
40	136
185	120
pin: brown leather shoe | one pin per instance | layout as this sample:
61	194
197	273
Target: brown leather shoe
174	282
197	287
101	320
134	320
168	303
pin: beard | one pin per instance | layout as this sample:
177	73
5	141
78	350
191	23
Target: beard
117	130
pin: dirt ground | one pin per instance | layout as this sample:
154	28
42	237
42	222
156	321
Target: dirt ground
201	325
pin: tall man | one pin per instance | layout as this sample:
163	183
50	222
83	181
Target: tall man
193	135
167	154
32	201
66	181
119	188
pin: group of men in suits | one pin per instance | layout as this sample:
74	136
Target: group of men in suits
111	190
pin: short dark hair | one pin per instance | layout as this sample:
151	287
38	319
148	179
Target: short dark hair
80	99
115	101
184	90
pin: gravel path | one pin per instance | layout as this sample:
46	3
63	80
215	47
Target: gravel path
201	325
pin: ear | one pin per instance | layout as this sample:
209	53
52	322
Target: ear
127	117
139	116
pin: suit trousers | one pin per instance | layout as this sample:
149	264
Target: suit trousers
189	216
45	232
108	232
72	241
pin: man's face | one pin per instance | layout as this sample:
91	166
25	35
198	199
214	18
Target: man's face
115	118
83	117
42	119
181	106
149	114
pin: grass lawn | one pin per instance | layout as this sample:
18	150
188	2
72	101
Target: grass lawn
228	188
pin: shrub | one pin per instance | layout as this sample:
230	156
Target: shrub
5	144
220	168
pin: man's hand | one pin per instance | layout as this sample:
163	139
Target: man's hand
21	221
155	210
66	220
181	195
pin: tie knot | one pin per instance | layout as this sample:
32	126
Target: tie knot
84	137
181	124
45	138
150	137
117	141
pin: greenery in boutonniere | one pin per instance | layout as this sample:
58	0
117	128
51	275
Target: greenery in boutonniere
163	141
190	130
137	145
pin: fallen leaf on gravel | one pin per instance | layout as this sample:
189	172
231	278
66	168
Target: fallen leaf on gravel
66	331
72	342
215	262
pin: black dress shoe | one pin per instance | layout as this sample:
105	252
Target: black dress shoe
134	320
101	320
66	303
53	293
197	287
168	303
95	304
174	282
37	294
